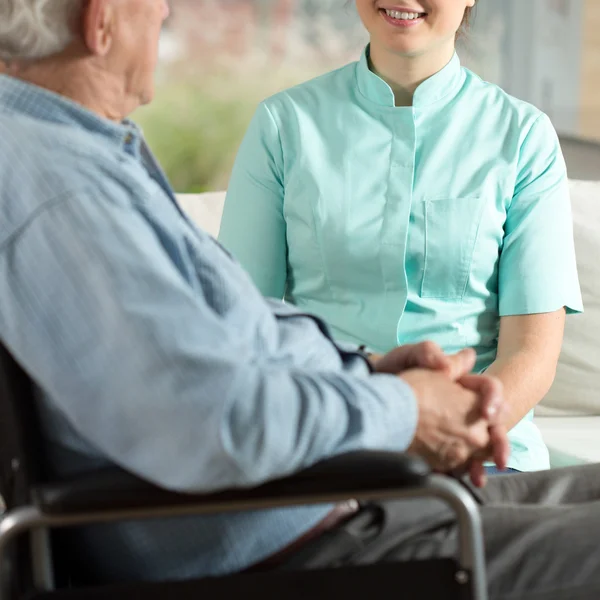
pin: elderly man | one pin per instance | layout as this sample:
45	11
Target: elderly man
153	350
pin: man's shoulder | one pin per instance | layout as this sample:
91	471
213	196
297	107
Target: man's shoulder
33	141
40	163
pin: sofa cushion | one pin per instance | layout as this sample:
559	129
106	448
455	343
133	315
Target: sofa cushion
204	209
576	390
571	440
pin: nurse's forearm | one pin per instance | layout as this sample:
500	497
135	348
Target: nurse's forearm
526	379
528	350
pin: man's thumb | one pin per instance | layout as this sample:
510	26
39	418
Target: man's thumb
461	364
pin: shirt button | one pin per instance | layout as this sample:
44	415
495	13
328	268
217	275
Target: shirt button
129	138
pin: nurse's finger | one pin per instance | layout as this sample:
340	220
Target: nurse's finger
491	395
477	473
500	446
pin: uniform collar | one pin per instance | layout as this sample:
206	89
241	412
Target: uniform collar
432	90
26	99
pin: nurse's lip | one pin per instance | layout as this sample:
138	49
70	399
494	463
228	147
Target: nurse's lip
399	16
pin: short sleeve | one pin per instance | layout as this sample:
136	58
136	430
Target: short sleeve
253	225
538	268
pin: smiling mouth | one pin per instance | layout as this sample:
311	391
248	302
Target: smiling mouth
398	15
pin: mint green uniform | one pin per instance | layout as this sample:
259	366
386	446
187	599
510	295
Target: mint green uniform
403	224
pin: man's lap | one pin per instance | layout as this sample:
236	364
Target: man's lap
541	534
575	484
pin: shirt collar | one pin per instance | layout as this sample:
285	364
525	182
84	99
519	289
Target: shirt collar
38	103
432	90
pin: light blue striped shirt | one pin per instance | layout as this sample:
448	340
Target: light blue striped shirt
153	350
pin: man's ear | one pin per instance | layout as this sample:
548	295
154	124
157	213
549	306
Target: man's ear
98	26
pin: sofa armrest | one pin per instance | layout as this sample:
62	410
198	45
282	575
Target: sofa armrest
112	490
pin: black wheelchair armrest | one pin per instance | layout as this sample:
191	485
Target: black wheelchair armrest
340	477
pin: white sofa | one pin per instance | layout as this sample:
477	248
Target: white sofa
569	416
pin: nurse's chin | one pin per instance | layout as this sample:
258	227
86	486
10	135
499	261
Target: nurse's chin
407	45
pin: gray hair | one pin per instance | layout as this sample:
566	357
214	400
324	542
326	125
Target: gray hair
33	29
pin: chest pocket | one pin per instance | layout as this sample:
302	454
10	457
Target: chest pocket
451	232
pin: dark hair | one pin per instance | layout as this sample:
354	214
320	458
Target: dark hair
467	18
466	22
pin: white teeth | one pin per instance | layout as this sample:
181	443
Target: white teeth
403	16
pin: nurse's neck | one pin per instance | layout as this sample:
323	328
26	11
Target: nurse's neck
404	74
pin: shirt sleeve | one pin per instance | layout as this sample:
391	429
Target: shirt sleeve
253	226
538	269
159	382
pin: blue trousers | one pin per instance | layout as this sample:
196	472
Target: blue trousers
495	471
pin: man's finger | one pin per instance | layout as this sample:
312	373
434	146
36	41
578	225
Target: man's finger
461	364
489	390
431	356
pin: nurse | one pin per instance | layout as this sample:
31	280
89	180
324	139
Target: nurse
401	198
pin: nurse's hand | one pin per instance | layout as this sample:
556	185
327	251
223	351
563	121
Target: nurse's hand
498	449
492	409
426	355
498	452
454	430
